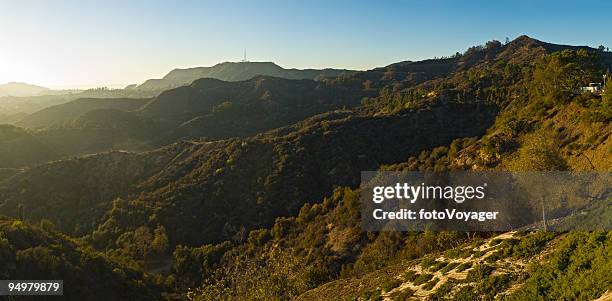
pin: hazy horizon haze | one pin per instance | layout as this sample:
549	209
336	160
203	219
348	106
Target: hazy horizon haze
88	44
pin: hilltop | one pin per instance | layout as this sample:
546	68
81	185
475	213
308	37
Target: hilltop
235	71
21	89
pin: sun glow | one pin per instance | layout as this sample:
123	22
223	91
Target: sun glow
12	72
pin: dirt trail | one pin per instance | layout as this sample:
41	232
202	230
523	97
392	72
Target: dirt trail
607	296
479	254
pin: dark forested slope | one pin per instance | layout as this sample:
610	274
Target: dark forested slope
64	113
40	252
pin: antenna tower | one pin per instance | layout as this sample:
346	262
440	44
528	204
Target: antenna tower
244	60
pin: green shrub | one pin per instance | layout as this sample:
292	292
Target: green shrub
532	244
578	269
429	285
411	275
466	293
494	285
444	290
495	242
477	243
390	284
464	266
449	267
479	272
457	253
422	279
403	295
427	262
477	253
371	294
438	265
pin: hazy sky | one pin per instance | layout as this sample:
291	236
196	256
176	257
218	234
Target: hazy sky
89	43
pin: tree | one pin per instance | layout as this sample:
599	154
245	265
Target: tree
560	74
538	153
21	212
137	243
607	96
493	44
160	243
47	225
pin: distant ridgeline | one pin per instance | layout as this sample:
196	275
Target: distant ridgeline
207	108
21	89
236	71
19	98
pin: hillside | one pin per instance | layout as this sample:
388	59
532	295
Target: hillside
235	71
21	89
494	268
221	163
29	99
12	105
19	147
79	127
207	108
80	191
67	112
39	252
218	109
273	212
325	240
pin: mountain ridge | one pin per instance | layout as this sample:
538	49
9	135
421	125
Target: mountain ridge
21	89
236	71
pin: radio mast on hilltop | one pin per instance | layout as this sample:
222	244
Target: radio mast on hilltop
244	60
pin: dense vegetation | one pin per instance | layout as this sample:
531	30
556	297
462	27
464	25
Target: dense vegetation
40	252
577	270
208	108
275	214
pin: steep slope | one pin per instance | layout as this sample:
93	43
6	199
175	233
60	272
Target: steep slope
208	108
63	113
39	252
235	71
536	129
80	191
19	147
11	118
217	109
495	268
204	170
274	174
101	130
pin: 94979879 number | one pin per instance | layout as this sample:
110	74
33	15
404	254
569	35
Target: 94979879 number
31	287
